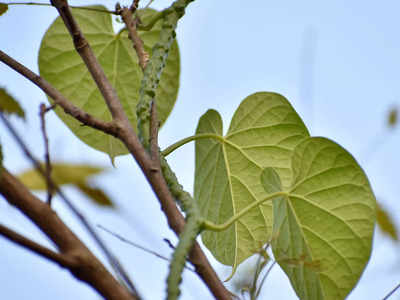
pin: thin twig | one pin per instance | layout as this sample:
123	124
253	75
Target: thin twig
111	258
391	292
72	6
62	260
169	243
148	4
121	238
134	6
138	45
261	262
264	278
50	188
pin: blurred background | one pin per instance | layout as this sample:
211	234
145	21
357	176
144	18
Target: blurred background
338	64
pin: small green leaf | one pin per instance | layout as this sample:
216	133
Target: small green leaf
9	105
61	173
323	229
385	223
271	181
3	8
63	67
263	133
97	195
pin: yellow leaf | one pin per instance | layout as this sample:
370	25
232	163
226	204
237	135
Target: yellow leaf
62	173
97	195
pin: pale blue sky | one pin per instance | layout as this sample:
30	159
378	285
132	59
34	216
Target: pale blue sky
338	64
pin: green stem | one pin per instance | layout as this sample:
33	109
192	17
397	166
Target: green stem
150	24
156	64
184	141
154	19
75	7
221	227
190	231
186	240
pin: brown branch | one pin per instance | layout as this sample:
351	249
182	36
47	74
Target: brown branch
63	260
85	51
88	269
133	35
59	99
175	218
50	188
72	6
134	5
111	258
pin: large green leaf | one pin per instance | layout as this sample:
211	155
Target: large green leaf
323	229
263	133
62	66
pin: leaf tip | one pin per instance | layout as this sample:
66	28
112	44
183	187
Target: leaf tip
232	273
112	160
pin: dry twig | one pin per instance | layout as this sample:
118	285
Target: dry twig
50	188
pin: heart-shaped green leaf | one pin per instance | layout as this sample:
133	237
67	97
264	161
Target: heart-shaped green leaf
62	66
263	133
323	229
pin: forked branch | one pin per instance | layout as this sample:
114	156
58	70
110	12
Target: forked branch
60	259
78	258
59	99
